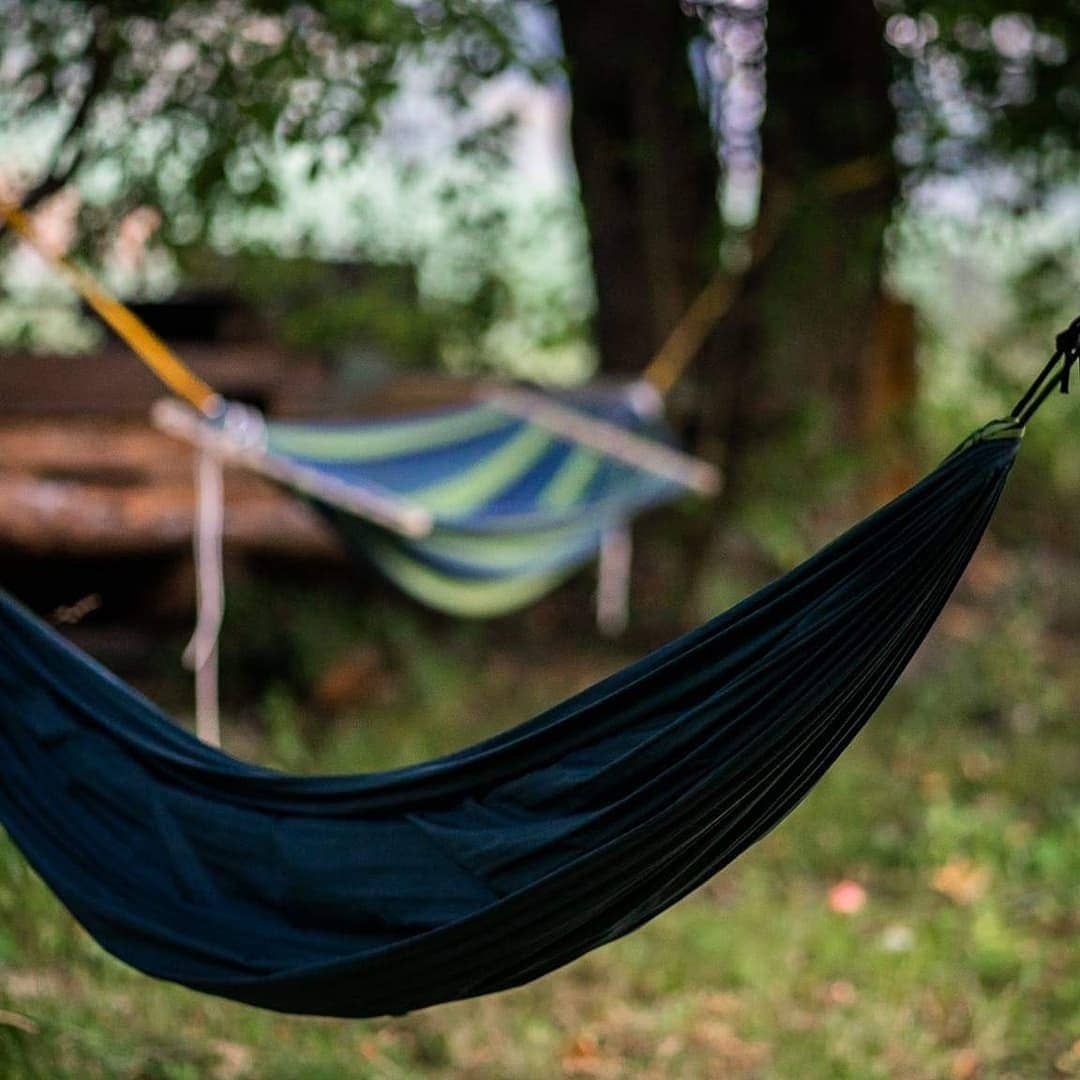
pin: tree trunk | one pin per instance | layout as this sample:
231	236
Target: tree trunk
812	326
647	168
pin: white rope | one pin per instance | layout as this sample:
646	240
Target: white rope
613	581
201	654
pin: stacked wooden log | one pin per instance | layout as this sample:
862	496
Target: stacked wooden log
83	473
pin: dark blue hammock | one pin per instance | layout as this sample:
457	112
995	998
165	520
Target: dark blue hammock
374	894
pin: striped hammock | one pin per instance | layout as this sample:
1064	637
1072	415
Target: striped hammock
514	507
475	510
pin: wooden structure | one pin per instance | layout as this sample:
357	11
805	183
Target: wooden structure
83	472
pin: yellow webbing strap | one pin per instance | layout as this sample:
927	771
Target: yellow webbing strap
153	352
714	301
690	332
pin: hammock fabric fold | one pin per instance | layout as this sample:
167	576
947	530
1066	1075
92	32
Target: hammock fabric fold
375	894
515	508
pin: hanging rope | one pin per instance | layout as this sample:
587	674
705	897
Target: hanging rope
689	334
613	581
201	654
153	352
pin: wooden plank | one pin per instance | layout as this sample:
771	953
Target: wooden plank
82	448
113	383
85	487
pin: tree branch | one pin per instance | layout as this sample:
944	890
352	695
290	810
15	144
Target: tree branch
100	58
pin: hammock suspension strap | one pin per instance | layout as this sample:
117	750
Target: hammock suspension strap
146	345
1055	375
613	581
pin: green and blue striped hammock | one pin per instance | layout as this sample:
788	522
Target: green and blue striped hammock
477	510
494	509
380	893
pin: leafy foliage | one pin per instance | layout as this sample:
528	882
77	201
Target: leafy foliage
985	84
184	106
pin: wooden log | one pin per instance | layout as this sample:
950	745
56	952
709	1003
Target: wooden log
67	518
91	447
114	383
93	487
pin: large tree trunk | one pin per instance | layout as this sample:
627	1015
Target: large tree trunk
647	168
813	326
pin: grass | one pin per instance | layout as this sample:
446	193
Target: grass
954	814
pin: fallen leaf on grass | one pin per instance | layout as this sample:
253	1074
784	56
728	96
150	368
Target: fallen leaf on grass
847	897
584	1059
1068	1064
233	1060
841	992
965	1065
961	880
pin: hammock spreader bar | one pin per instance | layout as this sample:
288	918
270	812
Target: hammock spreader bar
384	892
384	508
610	439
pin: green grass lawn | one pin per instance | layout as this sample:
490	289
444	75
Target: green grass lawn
954	815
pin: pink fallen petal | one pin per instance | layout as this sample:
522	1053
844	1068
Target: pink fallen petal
847	897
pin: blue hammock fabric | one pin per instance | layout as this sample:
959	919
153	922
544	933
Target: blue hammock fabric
375	894
516	507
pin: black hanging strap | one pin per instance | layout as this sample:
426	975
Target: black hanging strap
1056	374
